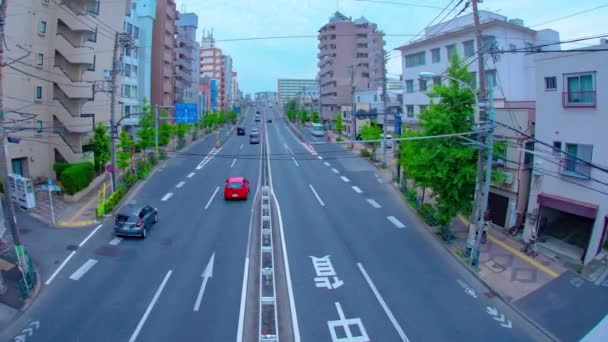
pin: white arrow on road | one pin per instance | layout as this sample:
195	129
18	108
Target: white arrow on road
506	325
207	273
28	331
500	319
492	311
19	338
36	324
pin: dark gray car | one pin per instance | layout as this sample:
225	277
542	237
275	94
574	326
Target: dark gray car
135	220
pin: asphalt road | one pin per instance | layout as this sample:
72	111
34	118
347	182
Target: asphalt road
146	290
361	263
393	282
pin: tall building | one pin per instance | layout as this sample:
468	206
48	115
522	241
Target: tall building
351	53
509	77
51	87
568	213
186	59
163	45
137	77
291	89
226	83
235	90
211	67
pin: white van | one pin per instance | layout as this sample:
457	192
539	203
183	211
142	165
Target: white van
317	129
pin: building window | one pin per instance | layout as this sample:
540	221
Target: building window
39	59
415	59
469	48
135	52
127	52
38	92
451	50
512	47
129	28
581	89
437	80
126	110
574	163
375	98
557	147
422	84
551	83
529	156
473	79
134	70
126	91
135	32
134	91
435	55
490	79
38	126
422	108
489	44
358	98
410	111
409	86
127	70
42	27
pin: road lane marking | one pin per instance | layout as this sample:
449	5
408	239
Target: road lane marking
373	203
208	158
357	189
395	222
345	179
319	157
190	174
316	195
388	312
83	269
327	164
150	307
294	161
241	147
115	241
345	326
167	196
335	170
212	196
60	268
207	273
89	236
380	180
180	184
234	161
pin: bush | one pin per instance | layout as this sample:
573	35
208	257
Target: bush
60	167
366	153
339	139
429	213
77	177
130	179
107	205
144	170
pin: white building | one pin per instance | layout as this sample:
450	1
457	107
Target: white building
369	106
510	79
568	209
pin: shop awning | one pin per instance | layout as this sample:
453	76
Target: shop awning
568	205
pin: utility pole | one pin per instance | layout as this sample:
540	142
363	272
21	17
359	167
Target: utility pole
477	215
156	118
9	211
121	40
384	104
353	112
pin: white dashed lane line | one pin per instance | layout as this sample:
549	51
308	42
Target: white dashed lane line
357	189
83	269
327	164
212	197
319	157
180	184
316	195
373	203
167	196
190	174
294	161
115	241
335	170
345	179
234	161
396	222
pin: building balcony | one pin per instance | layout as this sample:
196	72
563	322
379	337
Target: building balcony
167	57
167	87
579	99
76	89
575	168
74	20
73	53
68	112
81	7
169	27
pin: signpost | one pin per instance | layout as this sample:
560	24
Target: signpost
186	113
109	168
51	199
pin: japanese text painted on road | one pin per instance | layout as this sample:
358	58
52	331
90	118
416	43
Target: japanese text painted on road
350	329
326	274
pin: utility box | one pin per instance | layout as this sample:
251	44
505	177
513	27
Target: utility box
22	191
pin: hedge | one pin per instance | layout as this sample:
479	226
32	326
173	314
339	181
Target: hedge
107	205
77	177
60	167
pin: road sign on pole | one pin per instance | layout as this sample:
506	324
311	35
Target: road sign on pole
186	113
109	168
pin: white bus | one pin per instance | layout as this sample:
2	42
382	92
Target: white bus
317	129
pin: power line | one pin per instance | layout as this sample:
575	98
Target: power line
571	15
409	4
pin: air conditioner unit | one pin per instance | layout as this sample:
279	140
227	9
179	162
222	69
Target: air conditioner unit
508	178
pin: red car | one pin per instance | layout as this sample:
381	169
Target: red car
236	188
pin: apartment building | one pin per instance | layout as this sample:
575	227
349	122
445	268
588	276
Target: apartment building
211	67
291	89
351	54
568	211
163	61
137	74
266	97
226	99
235	90
55	51
186	59
510	80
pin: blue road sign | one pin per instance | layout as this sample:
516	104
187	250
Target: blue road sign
186	113
398	123
50	182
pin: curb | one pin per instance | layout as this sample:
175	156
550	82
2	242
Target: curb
473	272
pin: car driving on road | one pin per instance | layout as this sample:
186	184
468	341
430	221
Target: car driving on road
236	188
135	220
254	137
240	131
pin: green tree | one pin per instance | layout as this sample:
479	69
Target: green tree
165	129
371	131
146	132
101	146
339	124
445	165
180	131
126	150
303	115
232	116
315	117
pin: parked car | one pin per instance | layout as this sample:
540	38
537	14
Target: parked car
254	138
135	220
236	188
389	141
240	131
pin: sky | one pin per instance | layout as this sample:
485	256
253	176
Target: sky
260	63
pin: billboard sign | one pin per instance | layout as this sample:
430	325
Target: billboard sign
186	113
